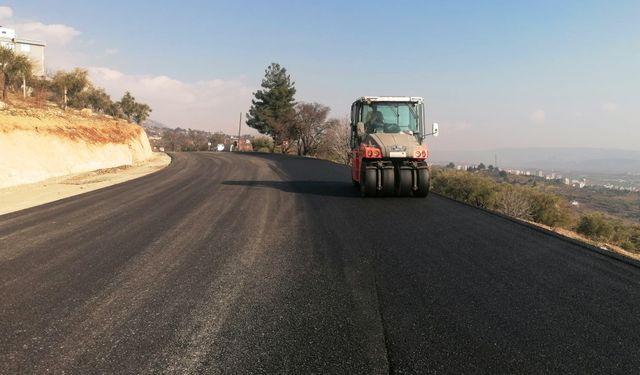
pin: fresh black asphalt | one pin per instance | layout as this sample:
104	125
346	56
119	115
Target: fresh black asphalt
251	263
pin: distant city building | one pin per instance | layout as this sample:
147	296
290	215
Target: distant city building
31	48
578	184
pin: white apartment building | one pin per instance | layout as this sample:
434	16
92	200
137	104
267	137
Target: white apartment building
31	48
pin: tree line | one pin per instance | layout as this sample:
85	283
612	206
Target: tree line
68	89
179	139
296	127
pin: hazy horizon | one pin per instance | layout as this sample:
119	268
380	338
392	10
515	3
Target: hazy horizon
493	74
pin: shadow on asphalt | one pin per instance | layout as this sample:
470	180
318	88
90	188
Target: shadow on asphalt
326	188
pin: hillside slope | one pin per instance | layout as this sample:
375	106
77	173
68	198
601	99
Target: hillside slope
36	144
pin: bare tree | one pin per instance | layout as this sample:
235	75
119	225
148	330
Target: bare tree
513	202
310	126
336	143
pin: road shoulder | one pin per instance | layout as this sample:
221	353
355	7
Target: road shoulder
16	198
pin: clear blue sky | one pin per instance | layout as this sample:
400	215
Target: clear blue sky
494	73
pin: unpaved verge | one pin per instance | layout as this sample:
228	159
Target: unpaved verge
19	197
578	237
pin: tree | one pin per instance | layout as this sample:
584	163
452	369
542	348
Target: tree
12	66
217	138
95	99
272	109
172	140
451	166
141	113
132	110
114	110
128	105
513	201
336	142
481	166
69	85
310	126
261	144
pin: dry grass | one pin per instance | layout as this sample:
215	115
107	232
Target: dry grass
71	124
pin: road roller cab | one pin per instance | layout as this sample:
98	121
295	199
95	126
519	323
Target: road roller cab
388	154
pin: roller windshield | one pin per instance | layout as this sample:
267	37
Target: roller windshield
390	117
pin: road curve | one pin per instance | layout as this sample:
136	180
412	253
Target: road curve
250	263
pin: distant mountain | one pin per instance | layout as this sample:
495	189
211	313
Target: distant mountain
148	123
154	128
592	160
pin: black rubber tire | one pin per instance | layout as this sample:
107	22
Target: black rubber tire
423	183
403	182
368	182
388	182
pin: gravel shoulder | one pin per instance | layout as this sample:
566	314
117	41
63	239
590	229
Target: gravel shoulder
16	198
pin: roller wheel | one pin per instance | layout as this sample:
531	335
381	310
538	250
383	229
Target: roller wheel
368	182
403	183
423	183
388	182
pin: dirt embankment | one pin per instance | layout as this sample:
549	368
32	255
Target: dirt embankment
37	144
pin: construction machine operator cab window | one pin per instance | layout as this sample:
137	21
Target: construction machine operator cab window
374	122
390	117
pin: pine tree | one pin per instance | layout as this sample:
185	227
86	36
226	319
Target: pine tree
272	110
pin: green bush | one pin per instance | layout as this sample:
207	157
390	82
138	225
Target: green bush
634	239
548	209
596	226
604	228
531	203
522	202
475	190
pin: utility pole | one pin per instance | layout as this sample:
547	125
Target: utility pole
239	129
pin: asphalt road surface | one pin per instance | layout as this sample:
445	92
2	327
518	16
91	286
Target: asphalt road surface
229	263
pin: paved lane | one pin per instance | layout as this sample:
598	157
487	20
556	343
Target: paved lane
227	263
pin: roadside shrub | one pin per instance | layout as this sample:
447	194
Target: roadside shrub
513	201
603	228
530	203
521	202
475	190
596	226
634	240
548	209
